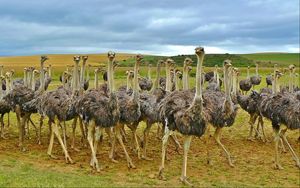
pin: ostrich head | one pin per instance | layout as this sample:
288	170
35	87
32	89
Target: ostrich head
139	58
44	58
76	59
187	61
227	63
111	56
36	72
170	62
199	50
85	58
178	73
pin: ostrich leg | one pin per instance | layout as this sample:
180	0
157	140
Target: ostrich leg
186	147
163	152
98	134
295	157
252	122
64	130
40	130
217	138
135	143
57	134
94	160
74	133
34	126
2	127
50	147
113	145
145	140
277	139
119	138
207	143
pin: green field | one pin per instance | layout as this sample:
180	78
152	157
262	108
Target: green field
253	159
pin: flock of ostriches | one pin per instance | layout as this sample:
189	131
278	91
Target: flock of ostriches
189	111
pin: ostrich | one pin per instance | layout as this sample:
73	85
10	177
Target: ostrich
4	106
60	106
130	111
84	83
182	111
214	82
256	79
185	74
101	110
222	111
18	96
146	83
291	79
245	85
283	110
269	80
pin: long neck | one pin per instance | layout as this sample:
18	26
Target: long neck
96	80
156	83
185	78
291	81
42	77
168	78
75	78
50	72
227	83
198	93
33	82
110	76
88	73
127	82
177	88
25	78
136	82
234	78
7	83
82	73
1	70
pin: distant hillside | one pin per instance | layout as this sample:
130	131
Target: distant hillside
210	60
269	59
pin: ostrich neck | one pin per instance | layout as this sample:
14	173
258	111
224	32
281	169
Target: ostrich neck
291	82
234	78
82	73
25	78
168	78
217	79
110	76
198	93
176	83
33	82
50	72
1	71
136	82
42	77
185	78
127	82
156	83
88	73
227	83
75	77
96	80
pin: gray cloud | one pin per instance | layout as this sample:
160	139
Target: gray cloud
165	27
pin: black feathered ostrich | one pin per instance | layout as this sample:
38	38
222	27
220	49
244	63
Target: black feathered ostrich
182	111
245	85
145	83
283	110
256	79
4	106
129	104
100	109
220	108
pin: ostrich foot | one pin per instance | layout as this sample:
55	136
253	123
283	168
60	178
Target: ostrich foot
230	163
38	141
250	138
114	160
3	137
278	166
144	157
138	153
298	164
161	174
69	159
131	165
94	164
52	156
185	181
75	149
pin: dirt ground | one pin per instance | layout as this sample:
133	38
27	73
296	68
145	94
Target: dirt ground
253	160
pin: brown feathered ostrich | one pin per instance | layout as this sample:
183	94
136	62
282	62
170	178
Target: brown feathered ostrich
220	108
100	110
256	79
245	85
4	106
182	111
283	110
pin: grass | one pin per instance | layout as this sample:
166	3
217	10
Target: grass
269	59
253	159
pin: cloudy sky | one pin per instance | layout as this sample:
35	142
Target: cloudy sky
158	27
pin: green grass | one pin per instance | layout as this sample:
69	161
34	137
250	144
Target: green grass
269	59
